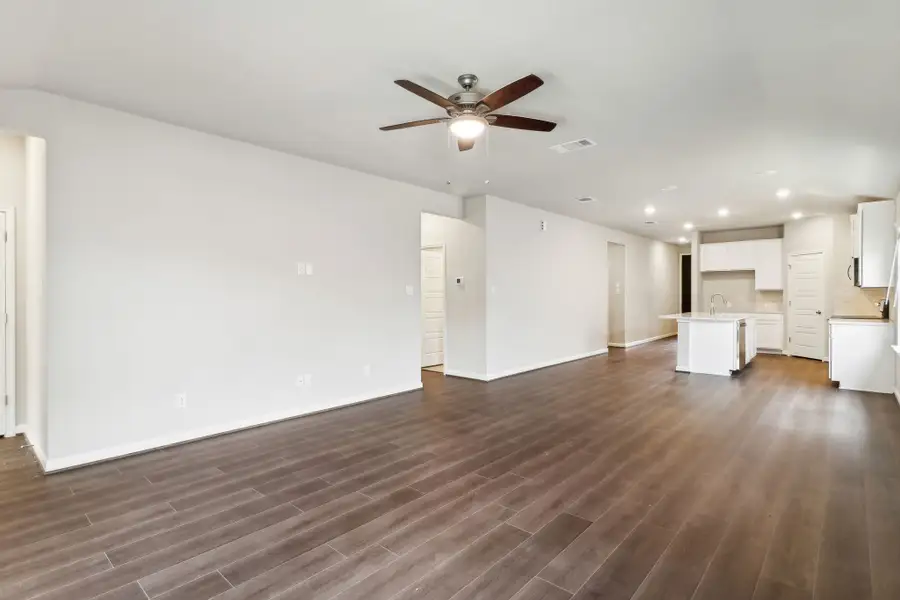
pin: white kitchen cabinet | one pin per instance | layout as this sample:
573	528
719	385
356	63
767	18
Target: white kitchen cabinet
770	332
727	256
874	237
769	263
764	257
861	357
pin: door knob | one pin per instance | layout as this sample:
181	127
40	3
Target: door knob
818	312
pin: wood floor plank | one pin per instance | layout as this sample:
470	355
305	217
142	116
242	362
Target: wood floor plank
538	589
511	573
405	571
574	565
201	588
275	554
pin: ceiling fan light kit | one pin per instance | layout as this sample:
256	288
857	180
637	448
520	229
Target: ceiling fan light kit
469	112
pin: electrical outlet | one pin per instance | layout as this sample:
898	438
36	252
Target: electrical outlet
181	400
308	378
301	380
301	268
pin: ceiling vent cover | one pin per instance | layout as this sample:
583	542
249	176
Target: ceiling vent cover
572	146
586	199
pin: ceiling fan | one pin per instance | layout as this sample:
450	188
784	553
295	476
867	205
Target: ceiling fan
470	112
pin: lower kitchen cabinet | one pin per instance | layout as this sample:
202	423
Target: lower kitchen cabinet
861	357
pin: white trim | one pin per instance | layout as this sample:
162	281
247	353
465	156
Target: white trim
10	242
464	374
520	370
646	341
78	460
544	365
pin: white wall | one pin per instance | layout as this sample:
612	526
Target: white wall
13	195
463	240
546	289
33	239
172	267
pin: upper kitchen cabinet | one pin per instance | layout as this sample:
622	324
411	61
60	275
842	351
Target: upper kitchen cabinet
769	264
873	244
763	257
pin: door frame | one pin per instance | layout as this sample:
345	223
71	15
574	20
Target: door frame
681	256
443	249
789	346
10	338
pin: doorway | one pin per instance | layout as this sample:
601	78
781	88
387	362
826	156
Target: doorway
806	303
433	308
615	256
684	283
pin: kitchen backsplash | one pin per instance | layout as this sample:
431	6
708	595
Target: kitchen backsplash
739	288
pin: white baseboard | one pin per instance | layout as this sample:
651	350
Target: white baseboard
647	341
21	429
544	365
897	395
465	374
520	370
86	458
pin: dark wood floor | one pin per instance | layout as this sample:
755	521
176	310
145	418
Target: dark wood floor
610	478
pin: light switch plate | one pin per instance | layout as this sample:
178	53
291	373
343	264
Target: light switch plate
301	268
410	290
309	269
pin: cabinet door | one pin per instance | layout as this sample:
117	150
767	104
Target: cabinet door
770	334
768	264
875	223
713	257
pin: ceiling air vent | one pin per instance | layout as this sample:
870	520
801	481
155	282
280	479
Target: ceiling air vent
649	222
572	146
586	199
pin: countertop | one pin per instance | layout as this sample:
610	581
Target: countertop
702	316
858	321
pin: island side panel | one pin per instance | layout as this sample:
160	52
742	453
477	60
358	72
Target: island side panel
683	360
712	348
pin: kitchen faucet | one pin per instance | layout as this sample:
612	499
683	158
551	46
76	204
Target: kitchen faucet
712	303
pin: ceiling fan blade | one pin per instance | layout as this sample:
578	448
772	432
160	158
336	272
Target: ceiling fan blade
418	90
412	124
512	92
465	144
514	122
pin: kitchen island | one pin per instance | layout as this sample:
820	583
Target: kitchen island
714	344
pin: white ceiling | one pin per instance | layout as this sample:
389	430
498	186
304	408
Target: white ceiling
702	94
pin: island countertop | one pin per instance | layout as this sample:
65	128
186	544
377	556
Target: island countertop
702	316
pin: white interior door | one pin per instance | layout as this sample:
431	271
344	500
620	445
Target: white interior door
806	304
432	307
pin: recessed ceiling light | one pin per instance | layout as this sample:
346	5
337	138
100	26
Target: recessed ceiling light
585	199
783	193
649	210
682	240
487	180
688	225
797	215
670	188
767	173
723	212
